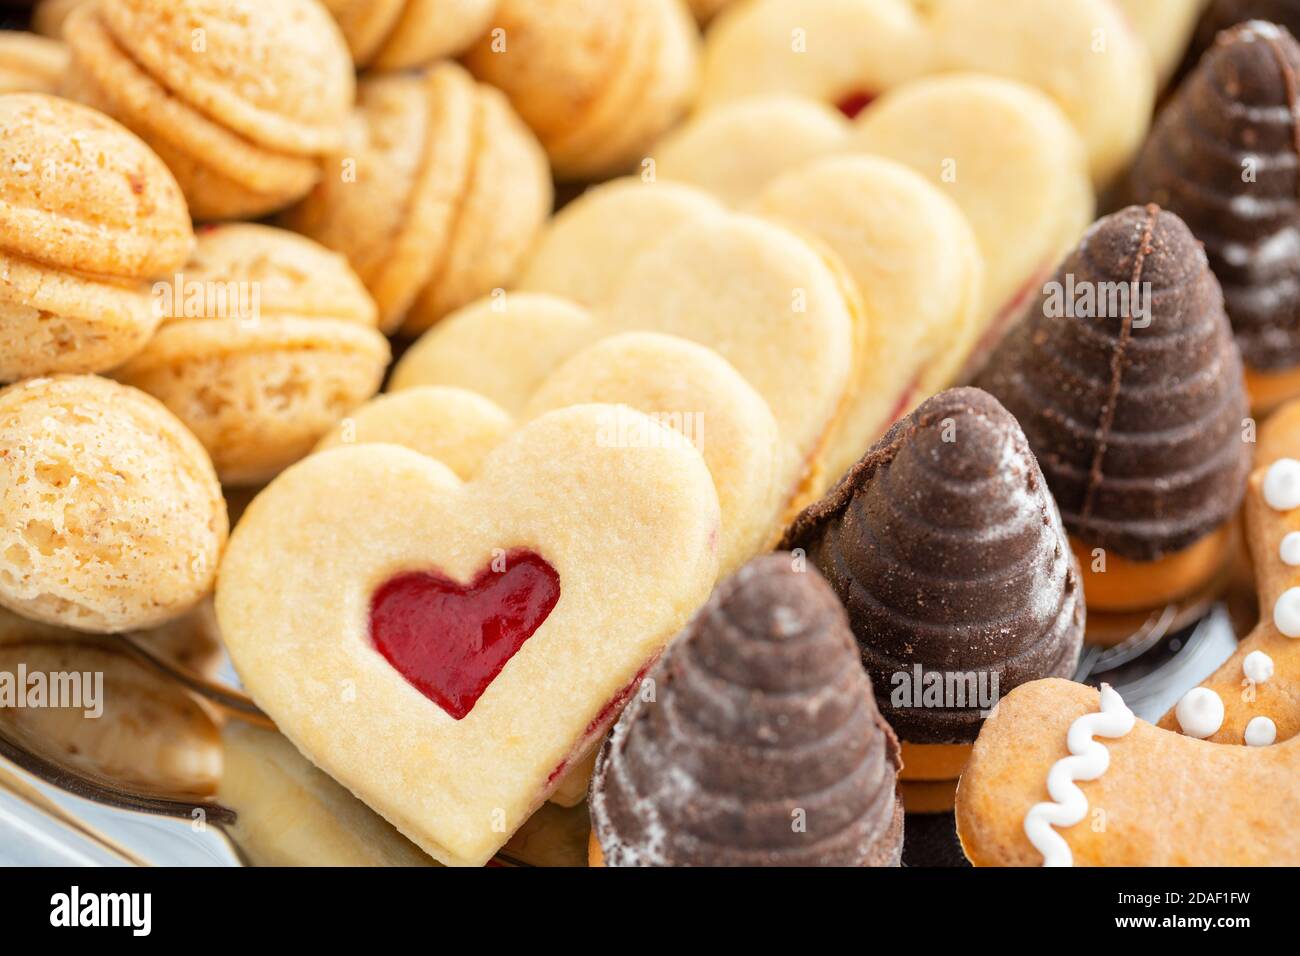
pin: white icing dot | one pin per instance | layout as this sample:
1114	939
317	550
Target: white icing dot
1258	666
1260	732
1286	612
1200	712
1282	484
1290	549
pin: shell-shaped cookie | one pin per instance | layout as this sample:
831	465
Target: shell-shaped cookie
946	548
277	73
1223	156
269	340
30	63
596	80
81	192
1127	382
435	195
400	34
112	516
760	718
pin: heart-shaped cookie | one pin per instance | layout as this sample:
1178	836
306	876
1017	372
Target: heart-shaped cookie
362	536
775	306
684	386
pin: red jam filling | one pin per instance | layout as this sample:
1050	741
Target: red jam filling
851	104
450	640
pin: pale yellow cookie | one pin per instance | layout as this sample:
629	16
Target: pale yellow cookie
30	63
1166	26
333	586
454	425
584	251
734	150
772	305
112	516
694	392
87	212
435	195
919	275
1084	54
1009	158
597	80
269	340
502	347
841	52
220	91
678	384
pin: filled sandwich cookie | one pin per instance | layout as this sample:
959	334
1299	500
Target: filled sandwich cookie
435	194
89	215
217	88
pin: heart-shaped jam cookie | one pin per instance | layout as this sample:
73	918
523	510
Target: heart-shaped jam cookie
450	639
441	647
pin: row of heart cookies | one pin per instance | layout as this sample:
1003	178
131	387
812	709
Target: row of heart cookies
1101	61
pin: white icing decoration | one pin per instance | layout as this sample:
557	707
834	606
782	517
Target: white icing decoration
1200	712
1286	612
1260	732
1258	666
1290	549
1088	761
1282	484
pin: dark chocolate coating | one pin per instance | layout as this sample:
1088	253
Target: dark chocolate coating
1223	14
1138	429
948	552
761	711
1223	156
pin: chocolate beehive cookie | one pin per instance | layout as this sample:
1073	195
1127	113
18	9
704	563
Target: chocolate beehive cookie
762	717
1223	157
948	553
1133	404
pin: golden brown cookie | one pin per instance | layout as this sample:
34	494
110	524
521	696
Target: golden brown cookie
597	80
87	212
30	63
1063	776
268	340
434	196
238	99
111	517
1254	696
399	34
49	16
